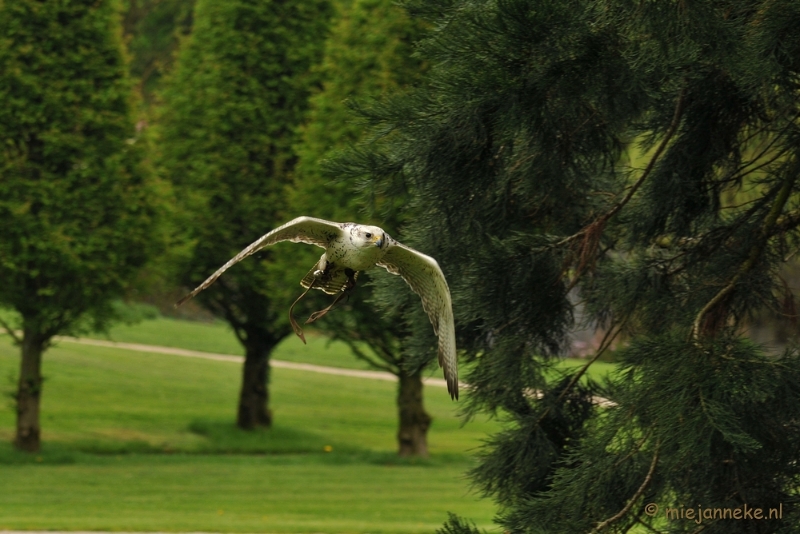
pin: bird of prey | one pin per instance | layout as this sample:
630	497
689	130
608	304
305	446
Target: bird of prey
351	248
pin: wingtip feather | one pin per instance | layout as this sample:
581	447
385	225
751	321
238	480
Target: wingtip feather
452	388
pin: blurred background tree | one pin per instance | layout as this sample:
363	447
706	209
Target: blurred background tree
228	127
368	55
77	205
153	30
643	156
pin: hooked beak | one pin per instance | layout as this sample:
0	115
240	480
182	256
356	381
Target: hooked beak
379	242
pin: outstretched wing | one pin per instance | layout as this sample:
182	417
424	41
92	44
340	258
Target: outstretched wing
426	279
300	230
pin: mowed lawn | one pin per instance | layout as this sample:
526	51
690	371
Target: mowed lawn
137	441
143	442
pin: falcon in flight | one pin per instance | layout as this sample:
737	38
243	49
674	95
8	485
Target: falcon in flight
349	249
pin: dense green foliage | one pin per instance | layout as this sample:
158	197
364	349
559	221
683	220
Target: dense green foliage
231	112
367	56
227	129
73	194
76	202
153	30
517	154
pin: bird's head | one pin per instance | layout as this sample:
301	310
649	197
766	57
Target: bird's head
369	236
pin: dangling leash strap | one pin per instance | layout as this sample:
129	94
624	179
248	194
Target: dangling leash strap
295	326
318	314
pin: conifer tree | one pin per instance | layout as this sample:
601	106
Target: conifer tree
231	112
644	155
77	206
152	30
368	54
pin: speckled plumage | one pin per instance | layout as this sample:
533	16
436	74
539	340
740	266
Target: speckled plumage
350	248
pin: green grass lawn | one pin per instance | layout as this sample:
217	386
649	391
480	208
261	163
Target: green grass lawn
143	442
137	441
278	493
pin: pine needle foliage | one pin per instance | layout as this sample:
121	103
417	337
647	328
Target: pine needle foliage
644	157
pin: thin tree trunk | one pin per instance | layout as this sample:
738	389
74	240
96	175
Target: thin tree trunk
29	391
414	421
254	397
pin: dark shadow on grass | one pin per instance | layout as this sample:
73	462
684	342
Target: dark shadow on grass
223	437
226	439
51	454
106	446
388	458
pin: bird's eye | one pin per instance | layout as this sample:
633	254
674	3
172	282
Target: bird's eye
369	235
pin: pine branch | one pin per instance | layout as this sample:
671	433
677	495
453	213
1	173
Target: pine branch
11	332
602	220
593	231
619	515
604	344
790	221
778	135
743	170
755	253
635	449
673	127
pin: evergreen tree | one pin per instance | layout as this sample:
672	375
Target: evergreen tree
644	155
76	206
231	112
152	30
367	55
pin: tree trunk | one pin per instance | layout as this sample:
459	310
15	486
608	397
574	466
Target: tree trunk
414	422
254	397
29	393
